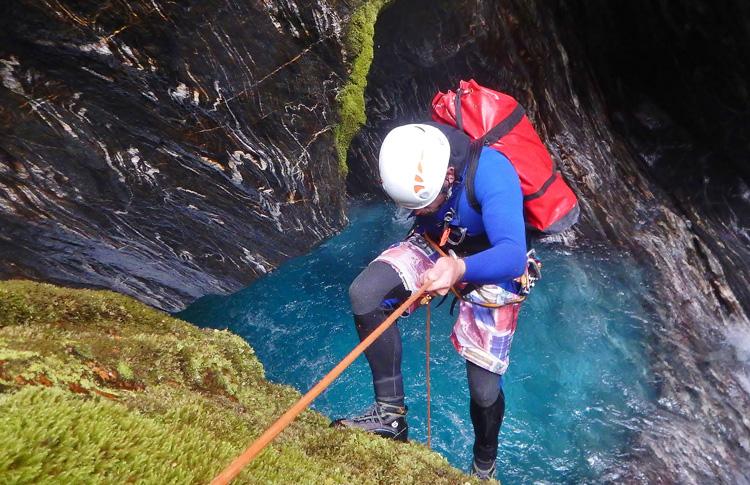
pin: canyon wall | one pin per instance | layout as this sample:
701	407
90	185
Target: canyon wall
167	150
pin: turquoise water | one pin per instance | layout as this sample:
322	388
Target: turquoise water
577	388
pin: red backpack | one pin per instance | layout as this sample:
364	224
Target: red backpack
497	120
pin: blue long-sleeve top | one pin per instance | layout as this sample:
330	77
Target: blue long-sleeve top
498	191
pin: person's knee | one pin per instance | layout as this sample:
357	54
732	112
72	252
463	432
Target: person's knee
485	396
374	284
484	386
356	294
361	295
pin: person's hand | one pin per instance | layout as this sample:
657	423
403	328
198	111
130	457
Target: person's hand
445	273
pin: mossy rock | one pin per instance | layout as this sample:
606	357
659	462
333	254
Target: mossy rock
360	33
98	388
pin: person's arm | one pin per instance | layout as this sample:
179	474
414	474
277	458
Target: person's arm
498	192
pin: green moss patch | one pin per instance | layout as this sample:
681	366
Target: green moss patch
359	44
96	387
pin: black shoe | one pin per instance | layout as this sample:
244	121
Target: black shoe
481	472
382	419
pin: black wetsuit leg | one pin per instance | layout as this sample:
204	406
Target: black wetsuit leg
487	408
374	294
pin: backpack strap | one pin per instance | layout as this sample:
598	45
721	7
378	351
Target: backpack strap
499	130
471	172
457	109
496	132
504	127
544	186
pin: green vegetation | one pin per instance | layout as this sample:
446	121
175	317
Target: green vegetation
96	387
359	43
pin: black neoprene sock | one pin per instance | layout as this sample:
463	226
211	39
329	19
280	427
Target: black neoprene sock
487	422
384	357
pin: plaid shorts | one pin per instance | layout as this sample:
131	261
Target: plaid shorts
480	335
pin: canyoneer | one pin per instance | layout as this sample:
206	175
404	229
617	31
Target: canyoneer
421	167
474	183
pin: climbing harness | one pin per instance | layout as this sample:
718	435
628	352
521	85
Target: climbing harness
453	235
526	281
532	274
234	468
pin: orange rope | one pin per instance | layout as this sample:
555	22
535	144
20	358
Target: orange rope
445	255
429	429
234	468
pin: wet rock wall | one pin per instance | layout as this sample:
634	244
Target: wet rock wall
167	150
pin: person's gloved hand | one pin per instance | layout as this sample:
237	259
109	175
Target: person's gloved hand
445	273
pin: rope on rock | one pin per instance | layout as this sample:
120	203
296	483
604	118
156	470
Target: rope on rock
234	468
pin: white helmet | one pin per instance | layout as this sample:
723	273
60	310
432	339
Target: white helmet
413	162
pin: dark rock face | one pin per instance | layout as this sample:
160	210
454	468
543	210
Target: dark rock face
166	150
644	105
